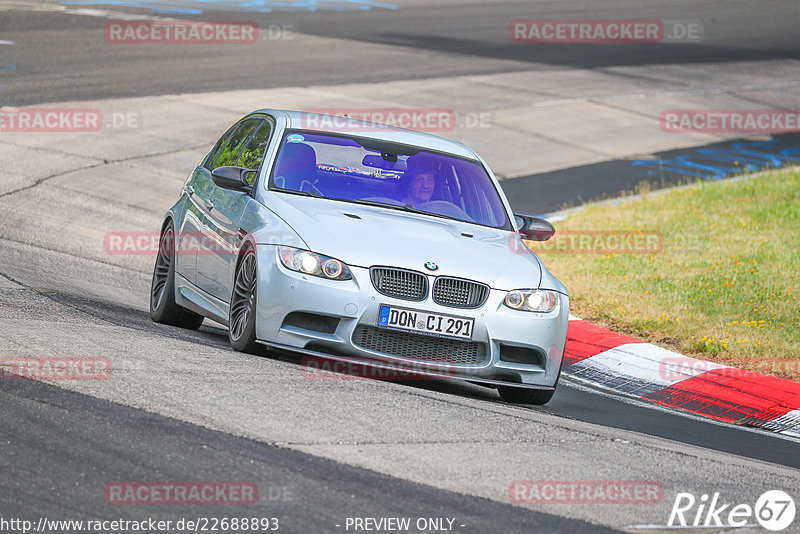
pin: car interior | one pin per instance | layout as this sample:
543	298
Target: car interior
374	175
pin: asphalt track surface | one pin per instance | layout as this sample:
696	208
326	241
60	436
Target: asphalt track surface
614	178
59	447
60	57
305	493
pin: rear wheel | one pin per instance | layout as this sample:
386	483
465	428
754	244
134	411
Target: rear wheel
163	308
242	317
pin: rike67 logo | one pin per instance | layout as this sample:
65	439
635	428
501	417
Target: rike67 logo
774	511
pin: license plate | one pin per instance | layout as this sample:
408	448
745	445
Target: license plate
421	322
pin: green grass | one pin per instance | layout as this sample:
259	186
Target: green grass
724	286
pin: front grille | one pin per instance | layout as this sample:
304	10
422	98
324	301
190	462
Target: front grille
459	293
399	283
419	347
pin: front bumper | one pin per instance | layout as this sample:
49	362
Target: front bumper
355	303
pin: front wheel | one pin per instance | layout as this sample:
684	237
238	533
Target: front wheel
538	397
242	316
163	308
525	396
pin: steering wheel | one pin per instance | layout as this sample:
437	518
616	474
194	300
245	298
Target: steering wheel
446	208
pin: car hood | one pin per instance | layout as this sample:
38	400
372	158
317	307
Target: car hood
364	236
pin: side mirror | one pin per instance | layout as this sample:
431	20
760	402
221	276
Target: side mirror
534	228
234	178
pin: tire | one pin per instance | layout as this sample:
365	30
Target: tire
163	308
538	397
244	299
525	396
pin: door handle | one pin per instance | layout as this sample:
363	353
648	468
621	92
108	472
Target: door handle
189	189
209	203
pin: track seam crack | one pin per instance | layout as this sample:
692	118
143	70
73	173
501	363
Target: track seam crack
74	255
94	165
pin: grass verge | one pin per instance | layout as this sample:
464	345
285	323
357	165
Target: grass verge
710	271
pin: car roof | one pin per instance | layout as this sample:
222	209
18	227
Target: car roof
322	122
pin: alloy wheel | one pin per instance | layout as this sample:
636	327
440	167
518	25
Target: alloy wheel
163	264
244	296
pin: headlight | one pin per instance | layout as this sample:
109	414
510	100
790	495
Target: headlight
534	300
306	262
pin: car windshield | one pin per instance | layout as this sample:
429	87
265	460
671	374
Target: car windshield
389	175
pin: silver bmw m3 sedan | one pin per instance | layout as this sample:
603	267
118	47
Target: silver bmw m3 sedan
363	243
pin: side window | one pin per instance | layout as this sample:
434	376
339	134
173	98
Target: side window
218	147
229	151
253	153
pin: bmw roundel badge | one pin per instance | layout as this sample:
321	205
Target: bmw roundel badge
431	266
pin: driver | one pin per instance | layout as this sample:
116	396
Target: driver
419	180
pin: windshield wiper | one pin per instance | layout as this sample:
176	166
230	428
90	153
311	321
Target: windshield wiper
310	193
401	207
